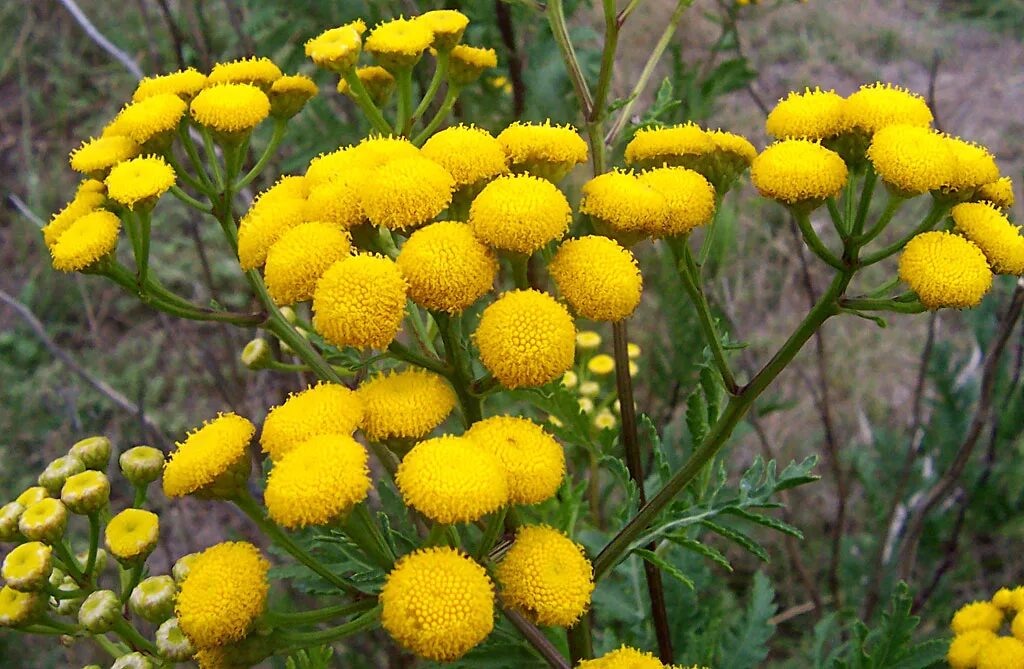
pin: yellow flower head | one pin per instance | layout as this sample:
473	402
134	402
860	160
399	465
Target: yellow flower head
265	222
542	149
999	240
96	156
261	72
285	188
623	658
467	63
999	193
19	608
796	171
526	338
183	83
230	108
689	198
399	43
438	603
811	114
139	180
732	156
1003	653
296	261
27	567
975	165
152	116
598	277
289	94
588	340
1003	598
520	213
605	420
447	267
377	81
878	105
336	202
85	492
87	239
470	154
326	408
86	200
912	159
318	481
977	615
44	520
337	49
360	302
452	480
223	594
378	150
734	145
624	203
546	576
963	651
601	364
132	534
212	459
534	462
945	270
447	26
680	145
30	496
404	405
406	193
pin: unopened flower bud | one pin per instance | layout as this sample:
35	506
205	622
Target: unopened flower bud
28	566
601	364
132	661
56	577
588	340
590	388
31	495
94	452
605	420
153	598
378	82
633	350
337	49
9	515
141	465
467	63
132	535
44	521
289	315
570	380
86	493
58	471
447	26
288	350
172	642
19	608
289	94
101	559
99	611
182	567
68	606
92	666
257	354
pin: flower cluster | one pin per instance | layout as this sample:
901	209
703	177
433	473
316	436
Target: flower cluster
977	642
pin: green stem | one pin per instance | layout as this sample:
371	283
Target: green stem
520	270
128	584
297	640
604	78
938	210
867	192
422	329
403	353
109	646
283	330
94	543
556	19
895	306
211	155
70	563
181	173
280	127
58	593
494	529
458	362
361	528
290	618
440	74
58	626
814	242
837	218
190	201
365	103
581	644
132	637
709	236
438	535
531	633
193	155
892	205
140	496
145	220
450	96
251	508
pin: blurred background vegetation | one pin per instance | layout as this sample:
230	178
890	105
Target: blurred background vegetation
890	413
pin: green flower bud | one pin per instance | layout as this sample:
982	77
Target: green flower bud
56	577
288	350
68	606
132	661
58	471
172	642
153	598
92	666
132	535
94	452
142	465
19	608
289	94
289	315
257	354
467	63
44	521
99	611
28	566
32	495
182	567
86	493
10	513
101	559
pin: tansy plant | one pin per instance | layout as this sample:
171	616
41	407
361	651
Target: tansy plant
432	277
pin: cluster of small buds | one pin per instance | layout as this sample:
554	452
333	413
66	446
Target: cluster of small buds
978	642
593	379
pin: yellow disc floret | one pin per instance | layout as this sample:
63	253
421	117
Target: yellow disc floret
27	567
183	83
945	270
139	180
400	42
405	405
438	603
526	339
1004	653
533	460
318	481
96	156
623	658
963	651
132	534
546	576
297	260
406	193
452	480
230	108
467	63
999	193
912	159
975	165
335	201
152	116
470	154
878	105
999	240
87	239
217	449
223	594
811	114
447	26
337	49
19	608
259	71
326	408
360	301
598	277
689	199
447	267
798	171
86	200
977	616
267	219
543	149
624	203
519	213
680	145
